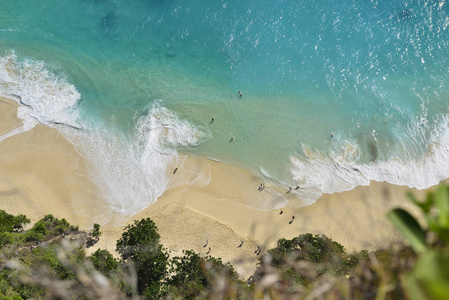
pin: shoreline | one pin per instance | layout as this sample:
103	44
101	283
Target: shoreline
42	173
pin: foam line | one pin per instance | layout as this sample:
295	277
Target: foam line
341	171
43	96
132	172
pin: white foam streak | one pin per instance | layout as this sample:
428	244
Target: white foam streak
328	174
340	172
132	174
44	97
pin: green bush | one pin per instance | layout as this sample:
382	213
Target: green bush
48	227
6	238
37	232
56	226
307	247
192	275
303	259
9	223
96	232
103	261
140	244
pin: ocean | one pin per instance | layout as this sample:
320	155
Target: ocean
327	95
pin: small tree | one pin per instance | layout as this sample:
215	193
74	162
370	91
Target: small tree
37	233
48	227
96	232
319	252
191	275
103	261
315	249
10	223
140	244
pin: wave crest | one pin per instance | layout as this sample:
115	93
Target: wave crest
131	174
44	97
341	170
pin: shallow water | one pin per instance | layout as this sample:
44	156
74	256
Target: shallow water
334	94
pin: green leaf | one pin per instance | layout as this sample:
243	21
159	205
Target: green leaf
410	229
443	233
442	201
432	274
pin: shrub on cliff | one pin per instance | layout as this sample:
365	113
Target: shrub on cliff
307	247
303	259
96	232
48	227
192	276
103	261
140	244
10	223
44	257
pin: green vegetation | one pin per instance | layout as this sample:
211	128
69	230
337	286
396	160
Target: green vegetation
41	263
9	223
193	276
20	255
319	253
140	244
103	261
48	227
429	278
96	233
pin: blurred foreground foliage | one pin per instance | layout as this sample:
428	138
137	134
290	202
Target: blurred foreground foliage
429	278
48	261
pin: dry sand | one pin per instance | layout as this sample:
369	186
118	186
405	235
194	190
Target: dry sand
41	173
210	202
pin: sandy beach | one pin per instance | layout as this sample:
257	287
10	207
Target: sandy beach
41	173
209	208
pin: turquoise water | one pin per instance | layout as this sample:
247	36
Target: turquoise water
143	79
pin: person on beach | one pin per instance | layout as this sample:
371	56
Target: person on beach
257	250
207	242
293	217
289	189
176	169
241	244
297	187
208	251
281	212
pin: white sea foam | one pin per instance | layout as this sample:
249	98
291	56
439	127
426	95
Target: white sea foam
132	173
341	171
44	97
